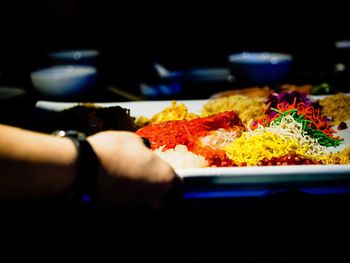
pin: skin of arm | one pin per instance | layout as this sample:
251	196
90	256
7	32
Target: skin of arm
34	165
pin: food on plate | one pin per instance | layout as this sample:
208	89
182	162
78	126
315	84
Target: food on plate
90	119
285	128
288	99
173	113
283	137
247	107
306	89
342	126
322	89
281	128
318	89
180	157
342	157
264	91
306	113
250	92
189	133
336	106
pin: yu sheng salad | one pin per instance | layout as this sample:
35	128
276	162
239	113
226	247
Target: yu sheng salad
282	129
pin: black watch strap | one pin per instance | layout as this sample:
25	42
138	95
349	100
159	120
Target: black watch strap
85	184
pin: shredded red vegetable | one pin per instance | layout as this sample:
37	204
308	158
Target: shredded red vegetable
171	133
318	121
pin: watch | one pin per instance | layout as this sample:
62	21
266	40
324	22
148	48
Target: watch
85	183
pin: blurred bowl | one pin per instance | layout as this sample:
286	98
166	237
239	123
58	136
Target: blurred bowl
64	81
342	44
207	74
75	57
260	68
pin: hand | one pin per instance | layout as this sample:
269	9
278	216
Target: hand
129	172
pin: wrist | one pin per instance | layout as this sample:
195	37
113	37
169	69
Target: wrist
70	160
85	165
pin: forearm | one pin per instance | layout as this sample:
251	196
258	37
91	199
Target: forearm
34	164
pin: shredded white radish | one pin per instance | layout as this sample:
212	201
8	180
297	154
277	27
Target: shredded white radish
181	158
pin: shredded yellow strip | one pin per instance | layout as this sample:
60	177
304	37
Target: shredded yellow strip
274	141
173	113
342	157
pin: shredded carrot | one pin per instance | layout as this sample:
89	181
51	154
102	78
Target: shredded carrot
317	120
171	133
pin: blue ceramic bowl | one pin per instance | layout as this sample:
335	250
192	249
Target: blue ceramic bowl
260	68
75	57
64	81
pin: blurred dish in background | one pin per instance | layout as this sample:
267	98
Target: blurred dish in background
260	68
207	74
340	74
161	83
195	82
64	81
194	74
342	44
200	83
74	57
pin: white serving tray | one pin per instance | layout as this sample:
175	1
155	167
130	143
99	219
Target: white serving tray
241	177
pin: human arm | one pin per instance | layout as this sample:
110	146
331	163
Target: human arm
34	165
38	165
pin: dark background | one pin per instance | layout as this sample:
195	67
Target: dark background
132	36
